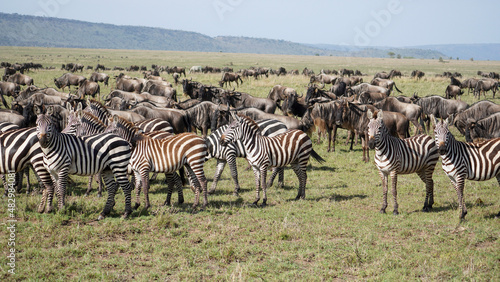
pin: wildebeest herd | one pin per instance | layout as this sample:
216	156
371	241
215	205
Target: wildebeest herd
141	126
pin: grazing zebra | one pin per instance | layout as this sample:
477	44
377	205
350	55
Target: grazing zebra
461	160
229	153
393	156
165	155
65	154
293	147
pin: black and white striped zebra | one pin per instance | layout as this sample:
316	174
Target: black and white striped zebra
65	154
461	161
293	147
155	124
229	153
165	155
393	156
20	148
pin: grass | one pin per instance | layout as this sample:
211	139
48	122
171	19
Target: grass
335	233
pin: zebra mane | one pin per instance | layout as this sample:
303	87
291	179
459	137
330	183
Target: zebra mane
92	118
127	130
98	106
250	122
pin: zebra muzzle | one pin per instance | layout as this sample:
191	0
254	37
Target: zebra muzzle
42	138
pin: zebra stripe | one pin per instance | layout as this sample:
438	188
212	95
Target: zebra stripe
461	161
293	147
393	156
235	150
20	148
65	154
154	124
167	155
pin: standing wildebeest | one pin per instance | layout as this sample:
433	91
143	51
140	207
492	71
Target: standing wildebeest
77	67
476	111
438	106
347	72
453	91
68	79
387	83
294	105
313	91
323	78
201	116
127	84
413	112
363	87
195	69
8	89
99	77
470	83
324	117
88	88
19	78
228	77
389	75
486	128
177	118
160	88
278	93
417	74
486	85
239	99
368	97
179	70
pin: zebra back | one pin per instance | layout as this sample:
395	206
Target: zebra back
7	126
155	124
99	110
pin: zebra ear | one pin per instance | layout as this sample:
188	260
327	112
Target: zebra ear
79	107
380	114
38	111
68	107
449	121
369	114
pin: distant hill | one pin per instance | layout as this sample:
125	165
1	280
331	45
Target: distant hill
22	30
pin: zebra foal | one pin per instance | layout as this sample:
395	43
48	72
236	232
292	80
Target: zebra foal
461	161
65	154
393	156
293	147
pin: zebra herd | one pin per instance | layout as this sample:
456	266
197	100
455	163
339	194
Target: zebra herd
94	142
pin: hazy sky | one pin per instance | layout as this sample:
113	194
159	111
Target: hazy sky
394	23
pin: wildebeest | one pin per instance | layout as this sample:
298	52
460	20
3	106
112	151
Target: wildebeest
99	77
240	99
470	83
68	79
368	97
486	85
313	91
323	78
438	106
347	72
127	84
413	112
324	117
279	92
177	118
160	88
21	79
340	89
294	105
363	87
417	74
12	117
77	67
387	83
389	75
179	70
8	89
228	77
453	91
486	128
476	111
88	88
191	88
195	69
202	114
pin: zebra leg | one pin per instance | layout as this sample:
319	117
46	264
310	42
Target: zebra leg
5	186
200	181
281	177
263	176
233	168
426	176
18	181
459	187
61	183
498	180
89	186
28	185
256	173
141	180
273	176
178	184
384	191
112	188
218	171
100	181
172	180
394	180
302	176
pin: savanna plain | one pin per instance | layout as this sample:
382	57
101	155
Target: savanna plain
337	232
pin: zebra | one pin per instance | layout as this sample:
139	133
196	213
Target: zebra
20	148
82	123
393	156
65	154
461	160
155	124
229	153
293	147
165	155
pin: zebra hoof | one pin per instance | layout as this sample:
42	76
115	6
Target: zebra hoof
101	217
498	215
236	194
136	206
126	214
395	212
264	203
255	203
211	191
180	201
382	211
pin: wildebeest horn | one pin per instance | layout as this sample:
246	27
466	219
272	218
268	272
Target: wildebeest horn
322	85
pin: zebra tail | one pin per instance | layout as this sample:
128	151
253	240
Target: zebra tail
317	157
